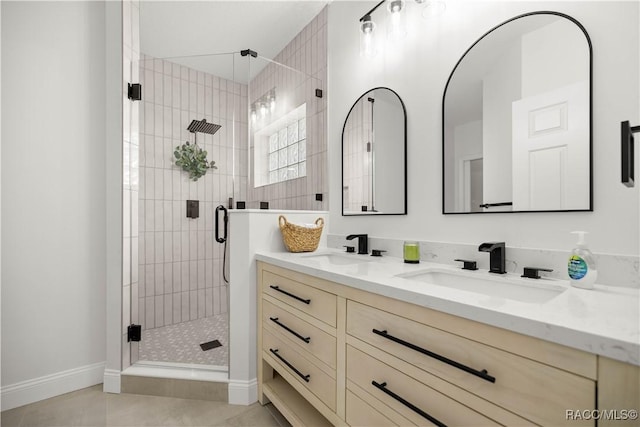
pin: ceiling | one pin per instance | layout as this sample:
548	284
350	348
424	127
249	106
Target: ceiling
200	33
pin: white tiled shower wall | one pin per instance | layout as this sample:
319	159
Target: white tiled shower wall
307	52
180	261
356	172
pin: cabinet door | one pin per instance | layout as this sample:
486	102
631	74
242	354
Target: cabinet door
308	299
535	391
618	392
282	356
415	401
360	413
310	339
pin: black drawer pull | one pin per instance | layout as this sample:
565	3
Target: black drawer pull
482	374
288	329
409	405
300	374
277	288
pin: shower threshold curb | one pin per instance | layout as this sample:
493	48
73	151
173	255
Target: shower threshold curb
181	371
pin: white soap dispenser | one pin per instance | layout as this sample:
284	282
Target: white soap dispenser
581	266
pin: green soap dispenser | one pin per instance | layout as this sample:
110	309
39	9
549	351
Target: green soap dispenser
582	266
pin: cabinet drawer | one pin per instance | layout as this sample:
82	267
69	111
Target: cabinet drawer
530	389
310	300
415	401
292	361
310	339
360	413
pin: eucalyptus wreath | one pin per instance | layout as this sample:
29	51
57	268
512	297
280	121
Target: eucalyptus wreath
193	159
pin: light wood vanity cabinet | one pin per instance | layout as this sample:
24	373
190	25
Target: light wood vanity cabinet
334	355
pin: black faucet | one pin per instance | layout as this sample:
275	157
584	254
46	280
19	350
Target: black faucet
496	256
363	242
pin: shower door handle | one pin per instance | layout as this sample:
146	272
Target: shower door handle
217	220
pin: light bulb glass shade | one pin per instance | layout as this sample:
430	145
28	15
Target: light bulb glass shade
254	116
398	20
367	38
272	103
434	8
395	6
263	109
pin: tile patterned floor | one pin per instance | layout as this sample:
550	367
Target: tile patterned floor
180	343
91	407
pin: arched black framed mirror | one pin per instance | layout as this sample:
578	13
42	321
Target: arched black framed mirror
516	120
374	155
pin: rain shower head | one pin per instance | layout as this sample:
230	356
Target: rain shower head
203	127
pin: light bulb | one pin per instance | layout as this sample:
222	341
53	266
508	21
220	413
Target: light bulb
367	40
263	110
253	114
434	8
396	6
397	26
272	103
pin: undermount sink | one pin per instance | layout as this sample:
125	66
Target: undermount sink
482	282
339	259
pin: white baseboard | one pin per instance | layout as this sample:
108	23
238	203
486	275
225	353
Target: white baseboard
243	392
37	389
111	381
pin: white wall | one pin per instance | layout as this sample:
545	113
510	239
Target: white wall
252	231
419	79
468	145
501	86
54	202
559	65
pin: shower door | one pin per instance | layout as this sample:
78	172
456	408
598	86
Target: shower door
180	299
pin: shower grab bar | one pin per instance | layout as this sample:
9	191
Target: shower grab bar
414	408
289	294
225	219
300	374
288	329
481	374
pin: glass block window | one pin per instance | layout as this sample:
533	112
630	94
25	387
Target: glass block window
280	148
288	152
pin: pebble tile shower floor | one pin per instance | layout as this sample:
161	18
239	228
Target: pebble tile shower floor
180	343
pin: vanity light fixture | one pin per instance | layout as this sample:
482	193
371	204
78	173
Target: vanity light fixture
272	101
397	28
263	106
367	41
398	25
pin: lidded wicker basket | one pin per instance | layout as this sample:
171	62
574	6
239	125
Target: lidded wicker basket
299	238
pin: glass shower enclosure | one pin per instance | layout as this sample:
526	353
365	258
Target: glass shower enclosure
268	151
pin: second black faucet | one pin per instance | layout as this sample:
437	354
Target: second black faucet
496	256
363	242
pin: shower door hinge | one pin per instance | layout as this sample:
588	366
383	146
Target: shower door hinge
134	91
134	332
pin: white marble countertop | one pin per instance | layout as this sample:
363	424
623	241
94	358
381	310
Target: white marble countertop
604	321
